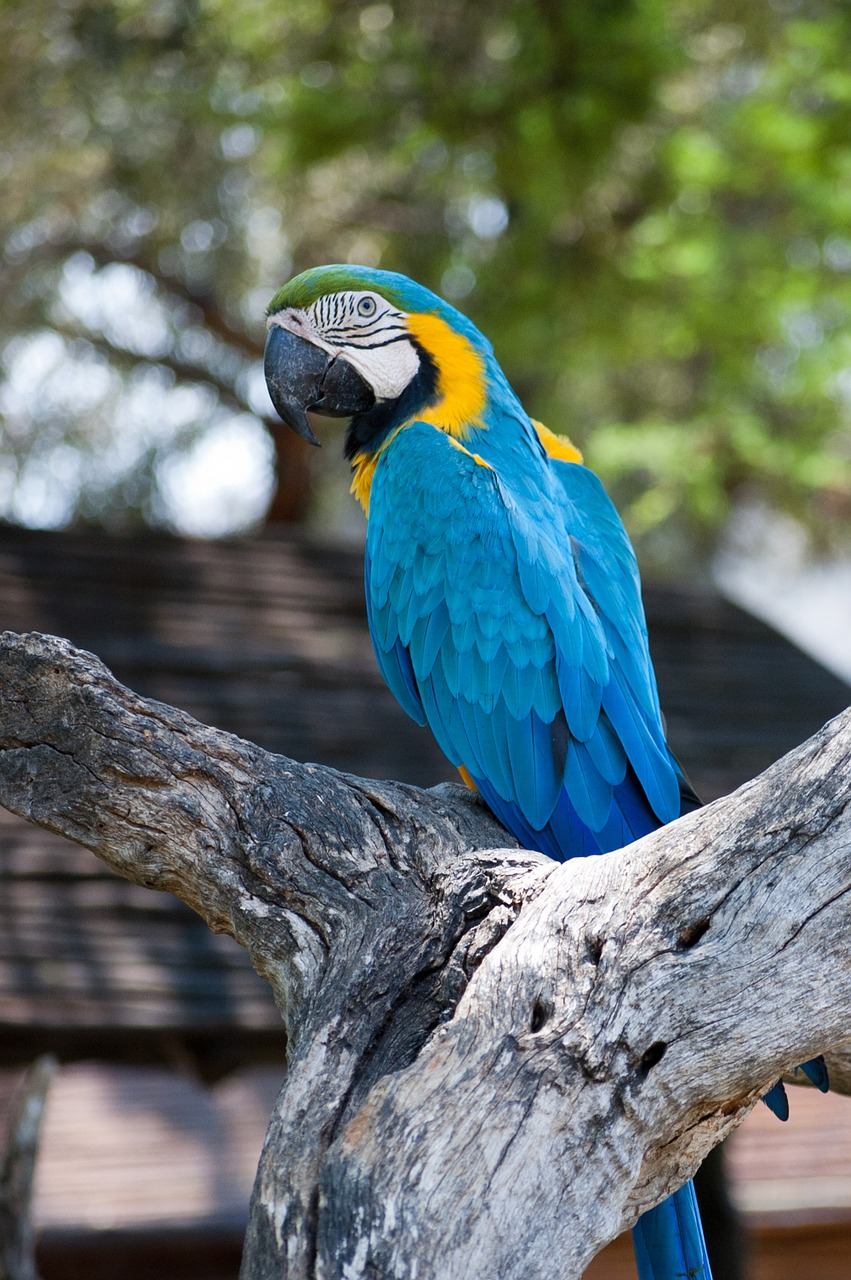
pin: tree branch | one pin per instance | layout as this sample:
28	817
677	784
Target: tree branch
494	1060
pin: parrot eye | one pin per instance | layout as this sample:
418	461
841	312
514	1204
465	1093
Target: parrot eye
367	307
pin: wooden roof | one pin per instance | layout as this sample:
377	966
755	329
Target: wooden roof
267	638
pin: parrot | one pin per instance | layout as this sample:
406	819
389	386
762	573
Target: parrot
502	592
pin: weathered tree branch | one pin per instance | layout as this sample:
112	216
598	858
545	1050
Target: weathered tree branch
494	1061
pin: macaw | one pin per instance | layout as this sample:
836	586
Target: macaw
502	591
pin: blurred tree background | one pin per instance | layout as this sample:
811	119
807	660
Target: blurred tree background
646	204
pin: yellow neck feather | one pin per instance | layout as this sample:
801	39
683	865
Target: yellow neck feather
460	376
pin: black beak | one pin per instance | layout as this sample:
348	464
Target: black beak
300	376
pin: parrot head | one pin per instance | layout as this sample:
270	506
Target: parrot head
371	346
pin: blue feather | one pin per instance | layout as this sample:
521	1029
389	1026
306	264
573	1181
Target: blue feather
494	752
571	837
514	820
606	750
652	763
440	717
633	806
668	1240
406	670
816	1072
396	669
532	767
488	645
495	760
777	1101
435	634
408	611
581	697
430	570
589	793
533	584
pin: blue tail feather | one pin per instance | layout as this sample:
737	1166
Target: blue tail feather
816	1072
777	1101
668	1240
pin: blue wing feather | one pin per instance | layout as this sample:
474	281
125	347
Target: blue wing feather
433	636
393	659
606	750
590	793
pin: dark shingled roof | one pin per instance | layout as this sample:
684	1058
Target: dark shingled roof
267	638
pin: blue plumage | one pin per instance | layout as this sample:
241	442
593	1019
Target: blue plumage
556	687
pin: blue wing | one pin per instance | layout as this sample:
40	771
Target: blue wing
517	632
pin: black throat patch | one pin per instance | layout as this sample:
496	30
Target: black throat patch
368	430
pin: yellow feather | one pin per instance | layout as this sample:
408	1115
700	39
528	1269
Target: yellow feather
363	466
460	376
466	779
557	446
477	458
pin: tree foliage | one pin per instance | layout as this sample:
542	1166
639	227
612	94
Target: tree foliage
645	203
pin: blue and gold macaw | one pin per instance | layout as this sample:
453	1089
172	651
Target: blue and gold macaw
502	590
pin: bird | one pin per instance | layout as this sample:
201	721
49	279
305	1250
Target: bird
502	591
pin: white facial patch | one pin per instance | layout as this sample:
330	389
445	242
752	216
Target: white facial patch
366	331
388	370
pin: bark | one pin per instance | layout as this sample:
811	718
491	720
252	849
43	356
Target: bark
495	1061
17	1173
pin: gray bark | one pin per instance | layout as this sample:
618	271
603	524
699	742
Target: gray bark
495	1062
17	1173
